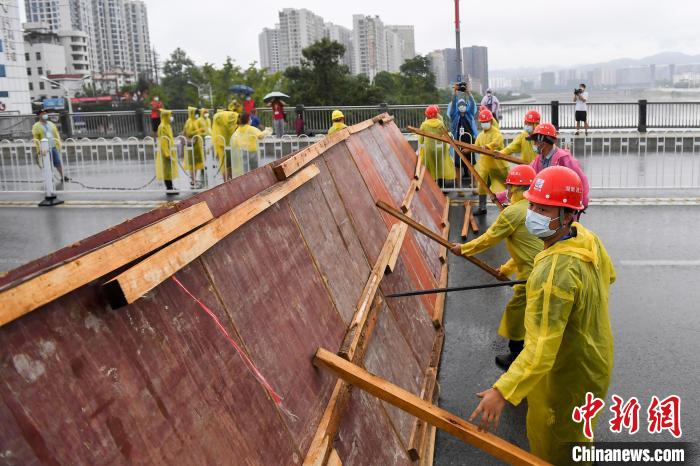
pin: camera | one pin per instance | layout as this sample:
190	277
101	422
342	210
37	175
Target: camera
577	91
462	86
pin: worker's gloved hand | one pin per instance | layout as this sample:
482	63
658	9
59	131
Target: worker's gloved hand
502	276
456	249
489	409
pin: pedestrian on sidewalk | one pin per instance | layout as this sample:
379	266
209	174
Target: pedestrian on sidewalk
166	155
46	129
156	106
278	117
581	107
462	124
490	101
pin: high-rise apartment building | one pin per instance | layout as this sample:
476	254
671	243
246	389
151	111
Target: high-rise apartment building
369	42
407	35
139	42
112	40
439	68
268	43
299	28
475	61
14	86
343	36
394	51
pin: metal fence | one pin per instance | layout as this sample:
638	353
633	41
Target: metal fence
640	115
104	165
614	160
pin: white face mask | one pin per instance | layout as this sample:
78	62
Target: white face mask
462	108
157	99
538	224
486	126
529	128
172	119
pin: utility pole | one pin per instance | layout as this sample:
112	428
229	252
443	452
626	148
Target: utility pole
457	44
155	64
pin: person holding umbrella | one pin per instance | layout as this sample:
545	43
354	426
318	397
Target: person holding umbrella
274	100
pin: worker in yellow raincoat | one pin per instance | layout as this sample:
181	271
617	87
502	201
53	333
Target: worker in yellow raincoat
235	106
435	154
520	144
166	155
223	126
568	340
493	171
244	145
338	120
522	246
194	132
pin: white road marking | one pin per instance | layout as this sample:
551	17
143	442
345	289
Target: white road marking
660	263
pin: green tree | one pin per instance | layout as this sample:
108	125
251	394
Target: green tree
178	69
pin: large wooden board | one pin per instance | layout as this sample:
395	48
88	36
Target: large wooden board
281	307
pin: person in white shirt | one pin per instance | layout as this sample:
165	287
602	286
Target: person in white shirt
490	101
581	101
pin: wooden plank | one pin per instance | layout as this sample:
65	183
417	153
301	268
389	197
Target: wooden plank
130	285
469	147
445	215
391	265
406	203
443	249
334	459
467	218
287	167
439	239
421	177
329	424
429	454
437	349
417	441
42	289
430	413
472	222
419	167
440	301
352	338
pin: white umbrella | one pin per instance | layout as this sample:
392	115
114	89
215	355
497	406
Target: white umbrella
275	95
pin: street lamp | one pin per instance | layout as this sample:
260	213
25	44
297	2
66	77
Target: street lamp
68	96
211	97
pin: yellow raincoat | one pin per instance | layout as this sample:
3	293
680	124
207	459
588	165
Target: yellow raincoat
224	124
568	342
337	126
244	148
194	158
38	133
436	154
235	106
523	247
521	145
493	171
166	155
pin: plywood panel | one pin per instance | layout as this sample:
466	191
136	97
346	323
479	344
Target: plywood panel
280	306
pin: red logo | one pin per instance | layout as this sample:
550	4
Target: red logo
587	412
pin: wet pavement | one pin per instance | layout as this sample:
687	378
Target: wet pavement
654	313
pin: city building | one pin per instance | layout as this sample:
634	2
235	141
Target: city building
268	43
394	51
475	62
454	73
139	42
111	37
299	28
406	33
439	68
369	40
548	80
343	36
14	85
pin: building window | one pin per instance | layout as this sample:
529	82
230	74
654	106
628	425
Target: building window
40	70
31	86
41	85
29	71
4	94
2	71
38	55
1	49
26	56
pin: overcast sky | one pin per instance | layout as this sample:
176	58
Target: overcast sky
518	33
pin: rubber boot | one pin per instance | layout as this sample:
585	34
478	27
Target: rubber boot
505	360
482	205
169	190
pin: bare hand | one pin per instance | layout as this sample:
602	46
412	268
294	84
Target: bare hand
489	409
456	249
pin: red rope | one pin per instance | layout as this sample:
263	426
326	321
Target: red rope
254	370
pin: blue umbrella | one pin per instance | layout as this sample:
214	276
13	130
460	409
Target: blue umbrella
241	89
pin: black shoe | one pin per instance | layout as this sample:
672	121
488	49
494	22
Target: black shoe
505	360
65	178
479	211
171	193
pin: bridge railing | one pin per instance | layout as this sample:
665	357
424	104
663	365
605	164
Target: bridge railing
641	115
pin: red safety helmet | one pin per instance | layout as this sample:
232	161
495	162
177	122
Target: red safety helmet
532	116
521	175
485	115
557	186
432	111
545	129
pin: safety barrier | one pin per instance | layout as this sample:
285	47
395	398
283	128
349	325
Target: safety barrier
615	160
130	164
661	160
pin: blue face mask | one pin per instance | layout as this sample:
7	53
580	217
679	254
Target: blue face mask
45	117
462	108
536	148
529	128
485	126
538	224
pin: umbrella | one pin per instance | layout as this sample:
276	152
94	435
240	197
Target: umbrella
241	89
275	95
